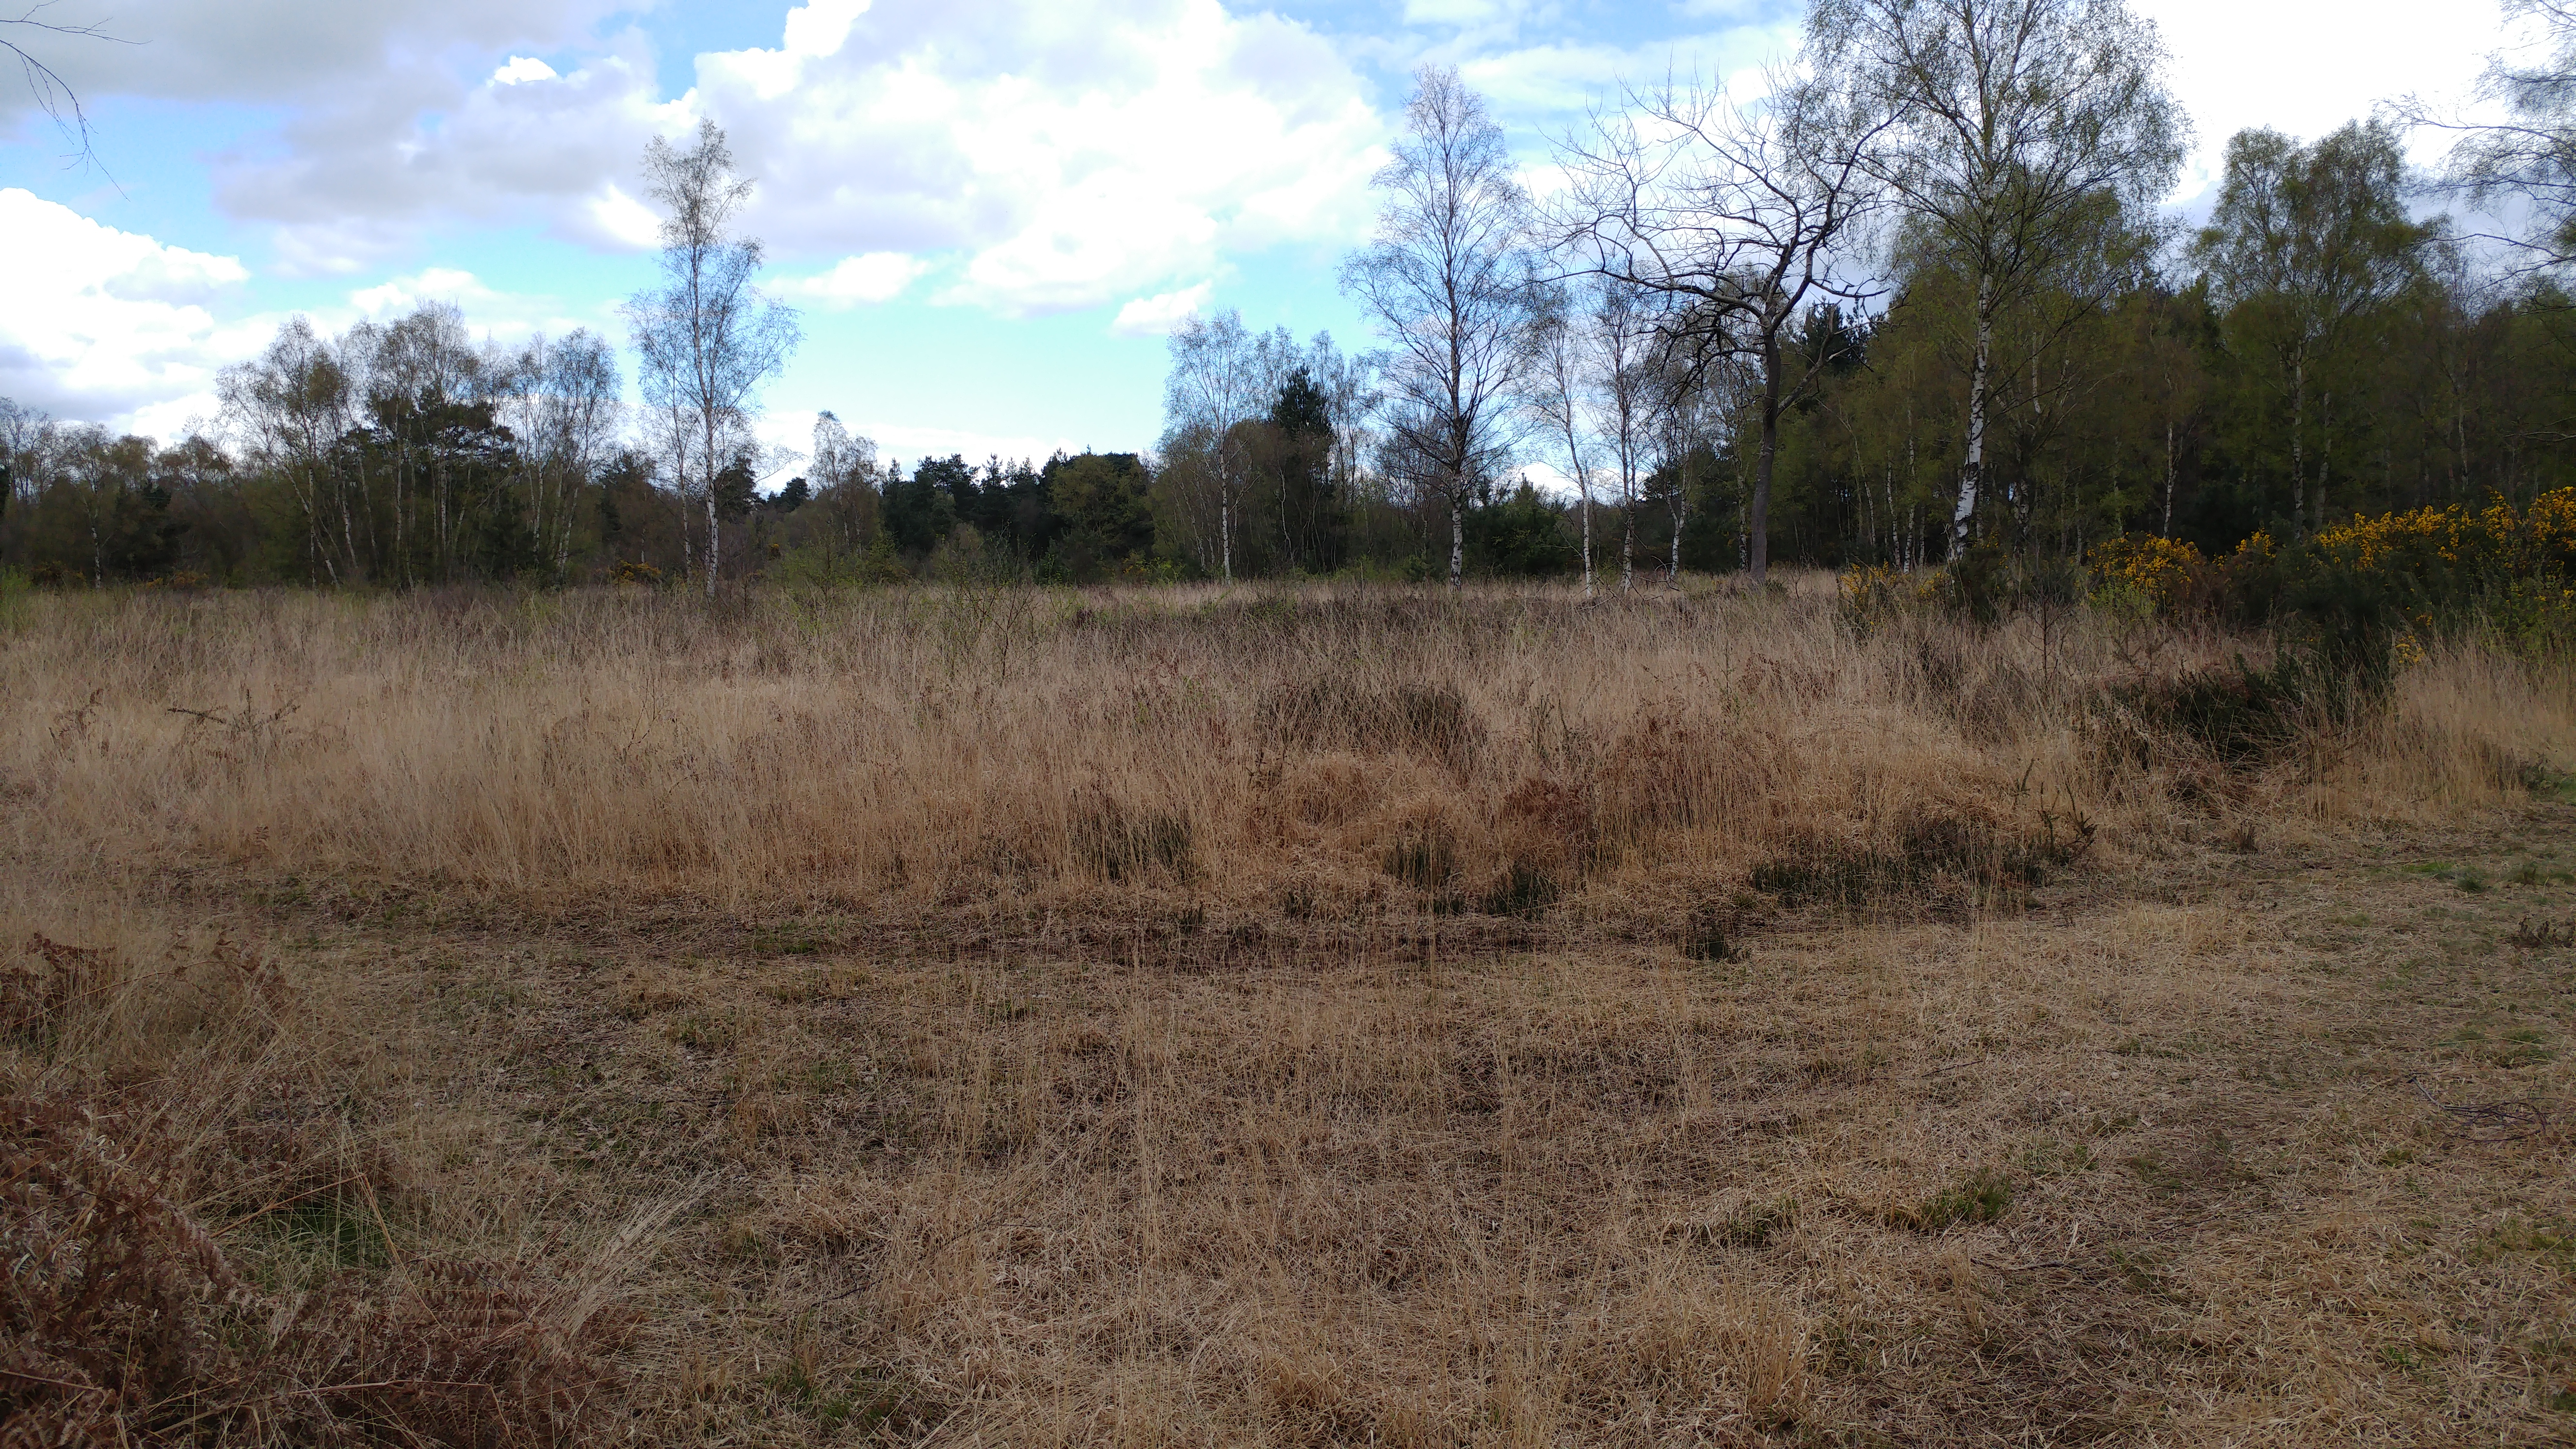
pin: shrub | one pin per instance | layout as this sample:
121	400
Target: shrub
2241	715
2161	575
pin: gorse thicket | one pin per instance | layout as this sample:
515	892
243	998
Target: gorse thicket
1831	326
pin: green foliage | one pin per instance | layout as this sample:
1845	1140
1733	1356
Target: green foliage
1981	1197
1521	535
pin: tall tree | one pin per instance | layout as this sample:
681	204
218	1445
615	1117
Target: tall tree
1298	444
2304	243
1557	384
560	400
1738	218
706	337
289	407
1223	377
2003	121
1446	279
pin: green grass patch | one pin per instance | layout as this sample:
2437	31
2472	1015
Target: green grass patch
1981	1197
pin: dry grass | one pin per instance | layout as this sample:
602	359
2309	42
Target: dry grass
1286	1017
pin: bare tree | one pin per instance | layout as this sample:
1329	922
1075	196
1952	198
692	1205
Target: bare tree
1350	392
844	471
2004	121
1557	382
1627	349
1223	378
289	406
1446	279
560	399
2531	155
706	338
52	94
1683	412
1737	218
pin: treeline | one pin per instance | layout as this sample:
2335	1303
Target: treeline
2310	355
1918	300
407	454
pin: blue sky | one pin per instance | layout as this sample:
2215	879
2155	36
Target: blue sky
988	209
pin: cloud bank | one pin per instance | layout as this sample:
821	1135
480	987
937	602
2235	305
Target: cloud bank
121	327
1052	154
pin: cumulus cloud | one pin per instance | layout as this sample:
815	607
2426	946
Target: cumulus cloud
522	69
1071	152
268	50
1064	154
875	277
501	316
355	181
120	327
1156	316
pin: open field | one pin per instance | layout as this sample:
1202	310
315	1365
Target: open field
1282	1017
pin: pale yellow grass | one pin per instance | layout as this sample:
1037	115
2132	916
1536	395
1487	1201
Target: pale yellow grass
930	745
823	983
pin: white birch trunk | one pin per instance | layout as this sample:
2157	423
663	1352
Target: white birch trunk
1972	472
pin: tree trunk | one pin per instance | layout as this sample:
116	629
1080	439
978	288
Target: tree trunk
712	534
1673	567
2169	477
2325	453
2298	446
1225	529
1971	472
1757	527
1458	537
1585	484
1627	544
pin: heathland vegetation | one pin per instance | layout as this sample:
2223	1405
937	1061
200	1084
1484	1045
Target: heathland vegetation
2002	868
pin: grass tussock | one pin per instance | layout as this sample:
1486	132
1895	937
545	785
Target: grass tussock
1289	1016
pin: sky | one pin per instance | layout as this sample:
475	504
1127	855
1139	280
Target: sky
990	212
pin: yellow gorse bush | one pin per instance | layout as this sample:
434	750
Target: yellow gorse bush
2157	570
2498	540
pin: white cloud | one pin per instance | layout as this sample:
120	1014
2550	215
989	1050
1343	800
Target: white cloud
266	50
107	324
506	317
1156	316
2307	66
523	69
616	215
874	277
355	182
1073	152
1064	153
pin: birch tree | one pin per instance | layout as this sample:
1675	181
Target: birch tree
705	337
2305	242
289	407
560	401
1558	380
1737	218
1223	378
1446	280
2002	121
